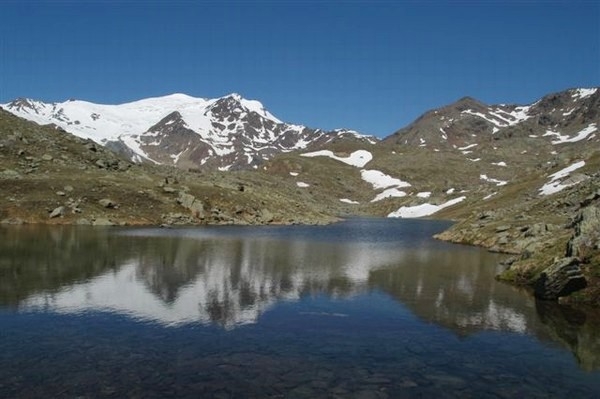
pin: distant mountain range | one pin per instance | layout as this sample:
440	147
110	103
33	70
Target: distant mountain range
227	133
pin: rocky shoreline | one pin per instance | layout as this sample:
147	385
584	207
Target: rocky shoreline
554	243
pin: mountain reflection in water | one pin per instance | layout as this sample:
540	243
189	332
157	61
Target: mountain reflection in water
230	276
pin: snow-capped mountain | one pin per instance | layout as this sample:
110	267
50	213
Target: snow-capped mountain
228	132
566	117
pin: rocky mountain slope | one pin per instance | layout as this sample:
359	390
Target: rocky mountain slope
48	176
228	133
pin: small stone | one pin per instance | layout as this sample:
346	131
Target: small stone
502	228
169	190
47	157
91	147
60	193
68	188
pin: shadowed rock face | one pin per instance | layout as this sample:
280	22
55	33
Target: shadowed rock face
561	279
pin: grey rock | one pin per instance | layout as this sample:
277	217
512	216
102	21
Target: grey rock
186	200
537	229
61	193
169	190
191	203
107	203
266	216
58	211
561	279
47	157
68	188
502	228
91	147
587	232
103	222
14	221
10	174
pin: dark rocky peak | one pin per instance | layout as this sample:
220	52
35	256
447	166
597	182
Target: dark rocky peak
466	103
171	122
227	107
567	99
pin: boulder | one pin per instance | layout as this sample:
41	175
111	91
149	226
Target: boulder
266	216
561	279
107	203
191	203
103	222
186	200
59	211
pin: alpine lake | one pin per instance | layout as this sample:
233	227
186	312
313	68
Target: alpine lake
366	308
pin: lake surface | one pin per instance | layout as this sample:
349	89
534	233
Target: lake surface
368	308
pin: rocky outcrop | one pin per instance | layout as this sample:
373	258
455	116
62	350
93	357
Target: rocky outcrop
587	233
561	279
565	276
191	203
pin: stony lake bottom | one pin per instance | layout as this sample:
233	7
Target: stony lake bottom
366	308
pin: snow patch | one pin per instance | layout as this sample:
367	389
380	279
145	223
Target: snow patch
389	193
302	184
581	135
467	147
358	158
380	180
583	93
418	211
294	174
348	201
501	163
555	185
492	180
424	194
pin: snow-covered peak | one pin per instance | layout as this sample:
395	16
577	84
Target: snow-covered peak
224	132
583	92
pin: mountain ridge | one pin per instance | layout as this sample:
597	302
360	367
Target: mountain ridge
223	126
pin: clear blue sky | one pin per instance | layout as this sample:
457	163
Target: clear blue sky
373	66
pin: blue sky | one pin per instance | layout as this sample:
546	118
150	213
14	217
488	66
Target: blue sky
373	66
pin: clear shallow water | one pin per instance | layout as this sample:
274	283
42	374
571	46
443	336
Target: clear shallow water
365	308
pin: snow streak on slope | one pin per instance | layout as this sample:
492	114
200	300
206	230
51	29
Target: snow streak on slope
556	184
358	158
582	135
501	118
418	211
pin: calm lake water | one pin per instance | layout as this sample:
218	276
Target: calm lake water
368	308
